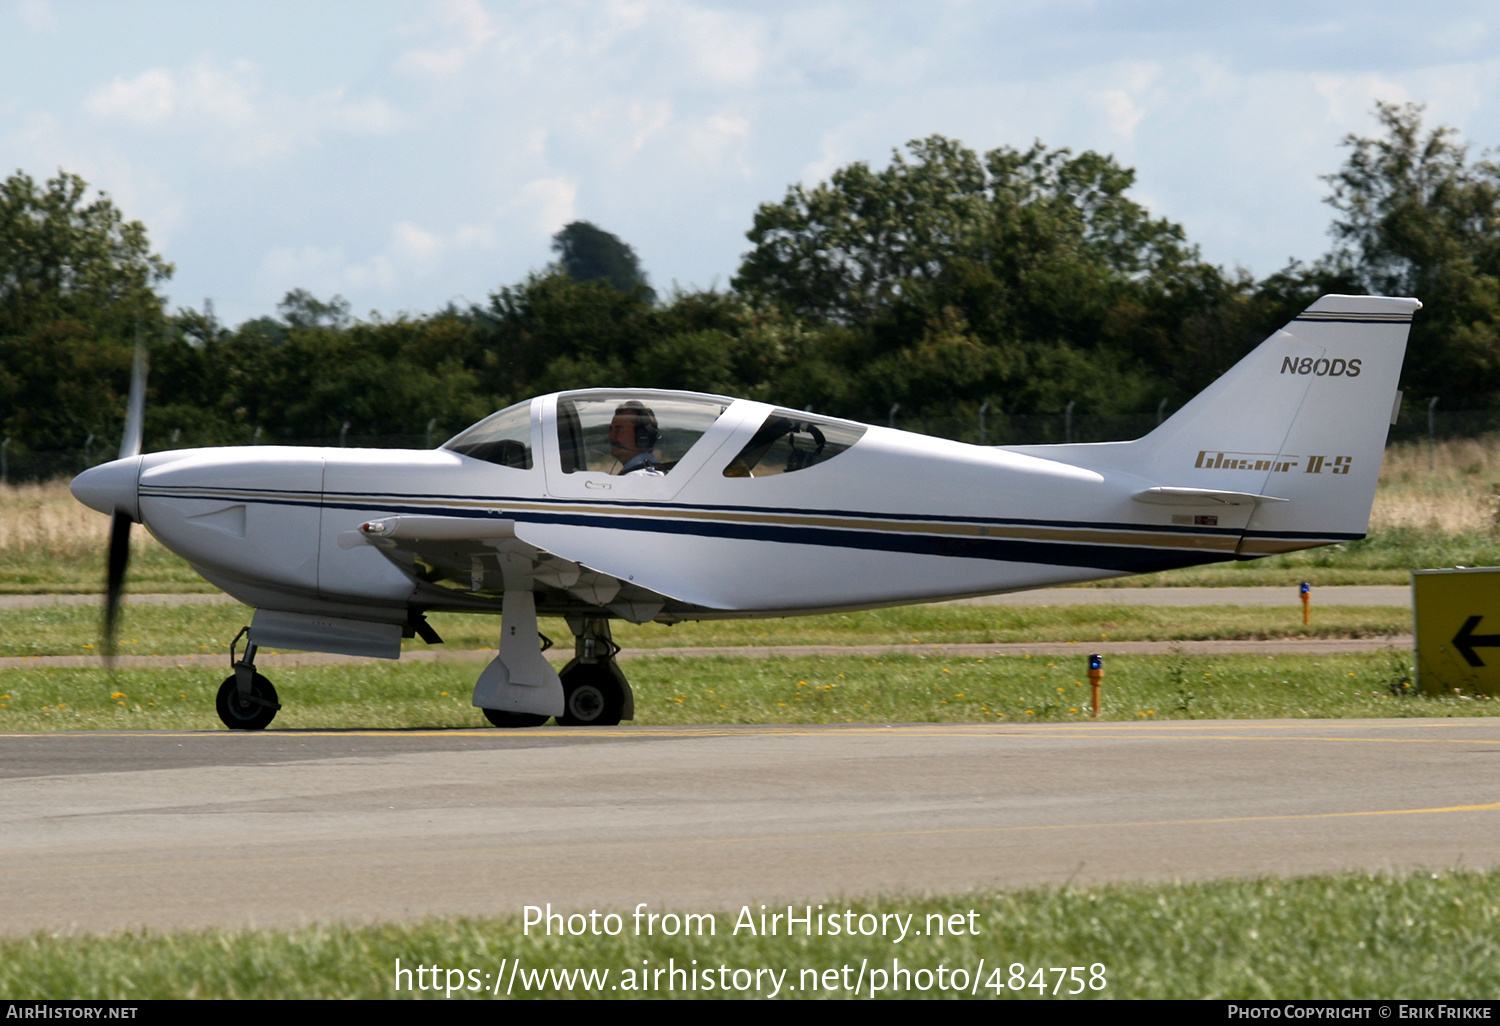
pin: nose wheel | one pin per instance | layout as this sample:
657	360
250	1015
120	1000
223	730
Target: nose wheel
246	700
254	711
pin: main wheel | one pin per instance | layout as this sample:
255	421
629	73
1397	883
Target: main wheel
239	714
591	697
502	718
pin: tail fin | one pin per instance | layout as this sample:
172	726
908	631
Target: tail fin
1303	418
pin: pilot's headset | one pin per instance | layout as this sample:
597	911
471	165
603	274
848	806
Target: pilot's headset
647	434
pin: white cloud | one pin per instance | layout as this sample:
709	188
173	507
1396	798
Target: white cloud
1124	104
467	26
227	105
417	245
368	116
618	129
718	141
549	203
37	14
1349	98
148	99
725	49
411	253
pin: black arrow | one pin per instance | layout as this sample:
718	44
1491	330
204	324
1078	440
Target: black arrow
1466	641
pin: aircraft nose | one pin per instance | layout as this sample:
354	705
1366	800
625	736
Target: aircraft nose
110	486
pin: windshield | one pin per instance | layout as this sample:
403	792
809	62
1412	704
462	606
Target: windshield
503	438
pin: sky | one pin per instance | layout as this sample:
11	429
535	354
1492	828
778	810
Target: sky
406	154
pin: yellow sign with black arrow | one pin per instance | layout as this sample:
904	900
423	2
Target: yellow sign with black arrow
1456	614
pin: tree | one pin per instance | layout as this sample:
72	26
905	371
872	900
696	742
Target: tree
76	281
299	308
968	275
1418	219
852	247
64	256
589	330
587	253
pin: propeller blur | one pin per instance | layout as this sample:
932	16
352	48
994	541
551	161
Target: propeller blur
652	505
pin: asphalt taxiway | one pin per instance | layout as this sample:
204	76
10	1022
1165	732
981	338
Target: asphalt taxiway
104	831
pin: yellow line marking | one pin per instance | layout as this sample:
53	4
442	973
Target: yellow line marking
766	839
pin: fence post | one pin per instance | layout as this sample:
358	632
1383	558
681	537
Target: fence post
1431	431
983	437
430	425
344	434
894	408
1068	423
1161	412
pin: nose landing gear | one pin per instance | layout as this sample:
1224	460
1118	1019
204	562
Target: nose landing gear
246	700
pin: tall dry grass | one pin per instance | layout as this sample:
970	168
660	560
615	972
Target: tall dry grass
1448	489
42	521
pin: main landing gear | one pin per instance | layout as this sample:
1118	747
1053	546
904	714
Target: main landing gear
246	700
595	691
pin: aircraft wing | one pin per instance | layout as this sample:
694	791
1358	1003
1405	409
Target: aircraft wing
482	557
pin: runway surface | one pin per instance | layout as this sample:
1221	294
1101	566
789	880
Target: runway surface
106	831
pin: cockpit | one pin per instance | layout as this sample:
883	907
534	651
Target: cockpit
651	434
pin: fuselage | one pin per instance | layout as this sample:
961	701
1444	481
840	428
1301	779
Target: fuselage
894	518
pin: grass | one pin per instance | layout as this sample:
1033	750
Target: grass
1352	936
206	629
824	689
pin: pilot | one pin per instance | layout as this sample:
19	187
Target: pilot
633	435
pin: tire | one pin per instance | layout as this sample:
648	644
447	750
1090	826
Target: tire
502	718
591	697
238	714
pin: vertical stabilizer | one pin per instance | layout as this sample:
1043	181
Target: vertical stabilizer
1303	417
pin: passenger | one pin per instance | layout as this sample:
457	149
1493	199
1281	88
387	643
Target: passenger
633	434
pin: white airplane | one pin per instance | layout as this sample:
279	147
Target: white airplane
670	506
